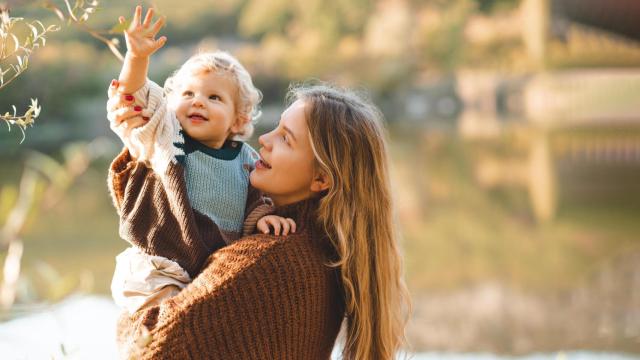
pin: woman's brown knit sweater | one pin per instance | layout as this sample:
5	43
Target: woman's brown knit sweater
262	297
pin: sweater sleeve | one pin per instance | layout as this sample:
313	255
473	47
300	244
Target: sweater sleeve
160	129
156	216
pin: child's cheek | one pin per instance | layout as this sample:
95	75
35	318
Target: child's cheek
173	103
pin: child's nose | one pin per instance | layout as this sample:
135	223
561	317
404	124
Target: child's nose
197	102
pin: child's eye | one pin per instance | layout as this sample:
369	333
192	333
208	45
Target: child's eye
214	97
285	138
187	93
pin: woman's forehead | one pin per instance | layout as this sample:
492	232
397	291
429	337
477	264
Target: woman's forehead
294	118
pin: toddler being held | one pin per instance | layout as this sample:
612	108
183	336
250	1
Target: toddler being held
196	166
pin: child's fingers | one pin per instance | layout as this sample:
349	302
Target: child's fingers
159	43
285	226
157	26
137	15
292	224
147	18
121	20
262	226
275	224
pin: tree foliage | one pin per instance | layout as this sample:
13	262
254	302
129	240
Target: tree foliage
14	60
19	38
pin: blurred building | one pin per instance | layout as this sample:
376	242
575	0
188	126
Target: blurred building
576	114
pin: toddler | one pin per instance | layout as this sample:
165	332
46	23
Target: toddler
199	167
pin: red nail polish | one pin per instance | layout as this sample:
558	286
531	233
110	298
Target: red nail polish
137	108
145	118
114	82
129	97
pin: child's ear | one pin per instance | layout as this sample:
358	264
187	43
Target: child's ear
320	182
238	125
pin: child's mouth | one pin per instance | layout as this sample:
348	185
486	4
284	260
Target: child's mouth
197	117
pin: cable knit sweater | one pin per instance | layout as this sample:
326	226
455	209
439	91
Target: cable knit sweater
262	297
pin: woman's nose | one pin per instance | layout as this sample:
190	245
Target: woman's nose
264	141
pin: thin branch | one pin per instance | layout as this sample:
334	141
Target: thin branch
79	24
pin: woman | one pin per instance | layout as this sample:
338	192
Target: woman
271	297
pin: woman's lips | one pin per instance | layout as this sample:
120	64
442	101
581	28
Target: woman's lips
261	164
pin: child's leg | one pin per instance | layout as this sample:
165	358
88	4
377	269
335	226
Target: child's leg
141	280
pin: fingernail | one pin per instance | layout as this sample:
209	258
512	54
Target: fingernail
145	118
137	108
129	97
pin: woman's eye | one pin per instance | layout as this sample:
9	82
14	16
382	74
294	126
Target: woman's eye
285	138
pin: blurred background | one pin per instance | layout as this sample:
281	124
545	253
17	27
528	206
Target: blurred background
514	130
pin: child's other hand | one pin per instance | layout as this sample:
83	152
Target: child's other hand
140	36
277	223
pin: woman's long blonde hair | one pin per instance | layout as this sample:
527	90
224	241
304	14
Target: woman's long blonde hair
348	140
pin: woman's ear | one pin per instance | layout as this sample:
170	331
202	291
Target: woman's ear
320	182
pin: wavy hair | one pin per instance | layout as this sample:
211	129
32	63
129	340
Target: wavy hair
249	96
348	140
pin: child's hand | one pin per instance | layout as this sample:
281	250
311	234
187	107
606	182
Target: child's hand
140	37
277	222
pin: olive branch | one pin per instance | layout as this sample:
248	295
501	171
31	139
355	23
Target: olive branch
14	60
15	53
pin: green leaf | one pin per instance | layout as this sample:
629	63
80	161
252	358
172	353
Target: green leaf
119	28
34	31
16	42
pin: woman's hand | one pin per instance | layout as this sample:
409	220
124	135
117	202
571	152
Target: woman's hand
140	36
122	111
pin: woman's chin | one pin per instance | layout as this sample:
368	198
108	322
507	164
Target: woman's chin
255	179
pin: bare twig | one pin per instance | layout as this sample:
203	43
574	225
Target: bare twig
54	178
72	18
10	237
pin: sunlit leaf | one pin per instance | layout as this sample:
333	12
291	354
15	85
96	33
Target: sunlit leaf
16	42
34	31
119	28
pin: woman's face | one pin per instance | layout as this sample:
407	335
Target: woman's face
286	170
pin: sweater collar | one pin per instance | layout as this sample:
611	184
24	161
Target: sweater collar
302	212
229	150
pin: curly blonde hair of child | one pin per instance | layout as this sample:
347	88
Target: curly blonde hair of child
248	96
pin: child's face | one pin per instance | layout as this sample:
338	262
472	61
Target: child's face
204	104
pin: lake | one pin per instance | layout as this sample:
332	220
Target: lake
83	327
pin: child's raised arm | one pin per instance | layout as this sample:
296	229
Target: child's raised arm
141	43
